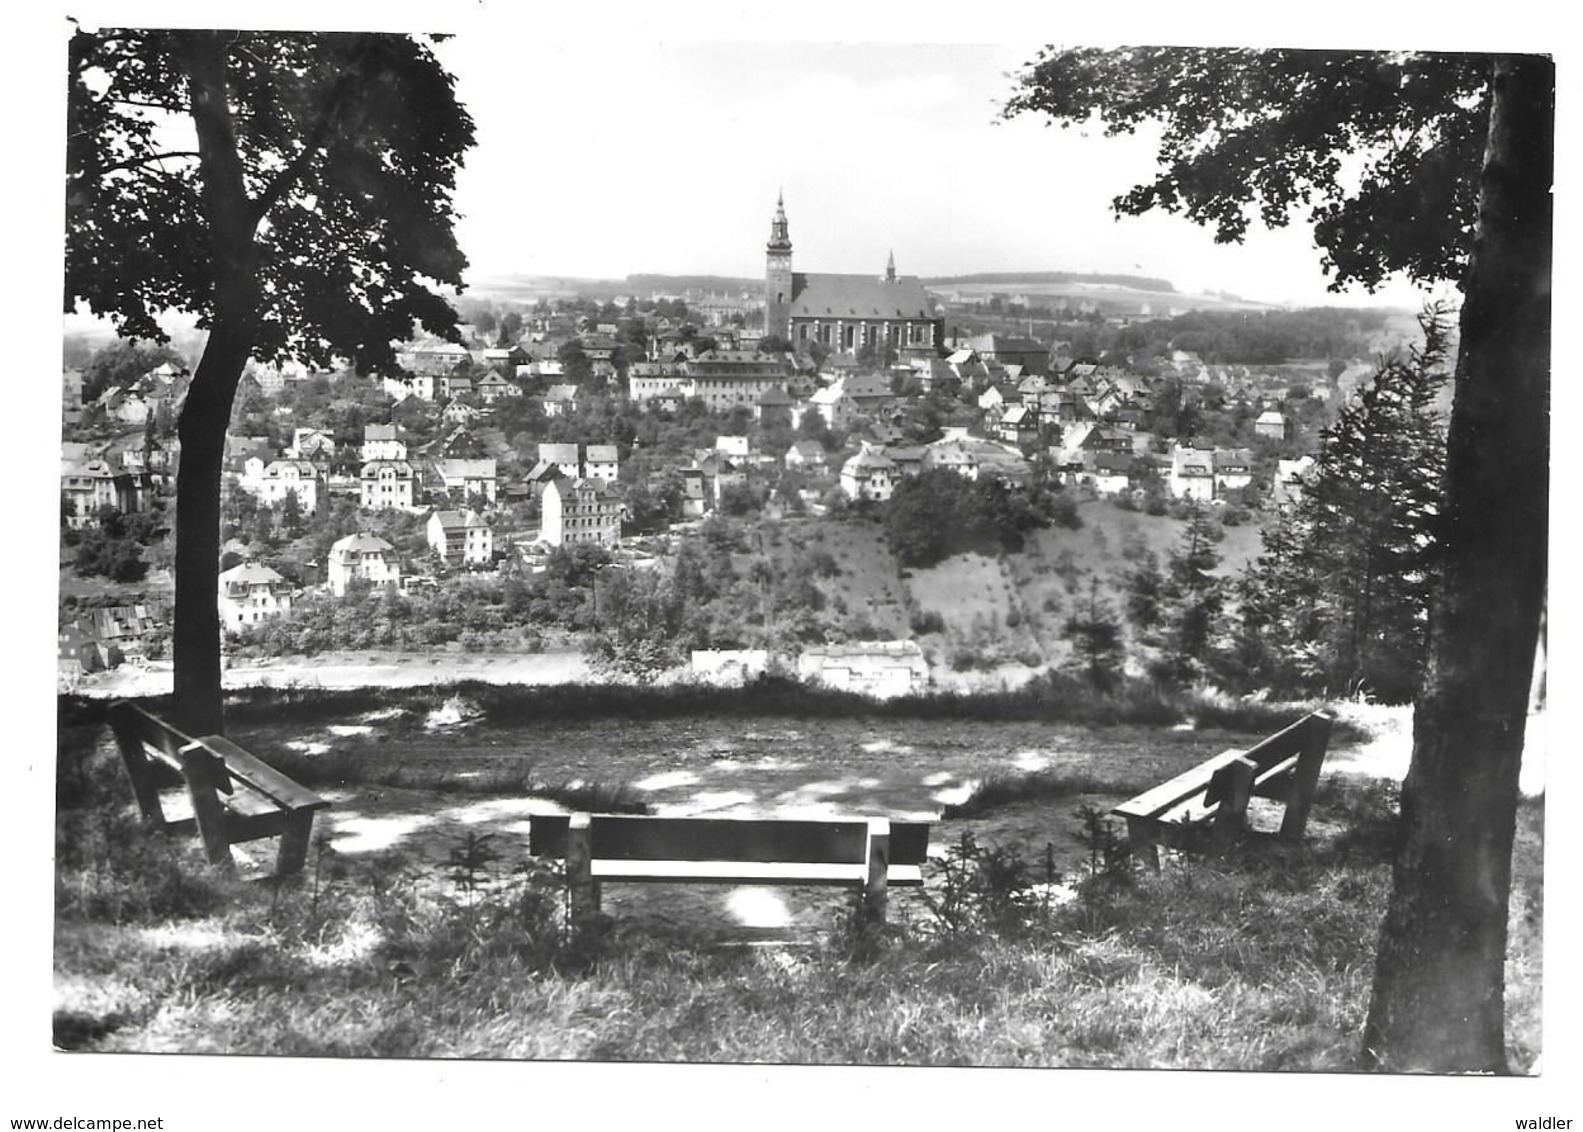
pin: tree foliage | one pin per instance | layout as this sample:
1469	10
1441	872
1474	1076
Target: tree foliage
346	147
1416	122
293	191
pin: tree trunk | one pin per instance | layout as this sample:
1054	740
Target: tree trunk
1438	1001
229	215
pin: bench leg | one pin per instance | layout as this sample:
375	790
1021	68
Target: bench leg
875	888
141	770
1143	841
1305	777
293	851
203	772
1236	787
579	868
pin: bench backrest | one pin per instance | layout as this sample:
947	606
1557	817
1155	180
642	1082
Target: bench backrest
1268	756
624	837
230	765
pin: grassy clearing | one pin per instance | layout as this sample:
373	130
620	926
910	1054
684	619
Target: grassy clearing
1261	961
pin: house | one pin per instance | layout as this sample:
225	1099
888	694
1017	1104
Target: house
695	493
1233	469
563	457
462	538
382	442
732	447
560	400
601	462
309	443
432	357
493	387
1192	473
79	651
1104	439
90	484
1019	425
386	483
881	669
126	628
1273	425
774	408
832	405
578	511
274	481
463	479
908	458
869	475
460	413
401	386
720	474
251	593
453	384
1010	350
1109	473
974	457
362	556
807	455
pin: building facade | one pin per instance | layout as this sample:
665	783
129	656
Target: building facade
364	556
576	511
845	313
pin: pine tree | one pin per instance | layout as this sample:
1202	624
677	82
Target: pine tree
1096	640
1194	599
1343	585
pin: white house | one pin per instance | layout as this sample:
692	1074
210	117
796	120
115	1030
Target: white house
462	538
382	442
386	483
1192	474
874	668
272	482
869	475
362	556
251	593
580	510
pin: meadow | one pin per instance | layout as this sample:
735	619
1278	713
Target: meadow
1029	945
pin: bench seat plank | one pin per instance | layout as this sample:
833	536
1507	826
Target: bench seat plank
749	872
264	779
1159	799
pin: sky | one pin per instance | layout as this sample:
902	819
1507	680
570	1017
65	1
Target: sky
600	159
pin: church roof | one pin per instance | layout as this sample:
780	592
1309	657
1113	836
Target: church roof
818	295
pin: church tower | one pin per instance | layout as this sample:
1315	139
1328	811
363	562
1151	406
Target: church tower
778	275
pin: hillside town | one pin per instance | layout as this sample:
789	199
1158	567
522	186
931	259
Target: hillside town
613	430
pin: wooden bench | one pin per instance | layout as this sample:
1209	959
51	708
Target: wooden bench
235	796
1208	804
871	855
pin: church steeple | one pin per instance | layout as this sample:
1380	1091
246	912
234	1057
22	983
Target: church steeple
780	237
778	274
890	268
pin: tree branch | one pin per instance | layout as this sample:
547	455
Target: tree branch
282	182
147	159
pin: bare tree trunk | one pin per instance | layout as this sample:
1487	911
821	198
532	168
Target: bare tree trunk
199	706
1438	1002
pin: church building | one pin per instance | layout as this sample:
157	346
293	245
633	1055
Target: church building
844	313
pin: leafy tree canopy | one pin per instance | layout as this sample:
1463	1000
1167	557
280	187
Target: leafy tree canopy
346	147
1368	142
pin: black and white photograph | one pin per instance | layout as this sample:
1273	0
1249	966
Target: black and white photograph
792	567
